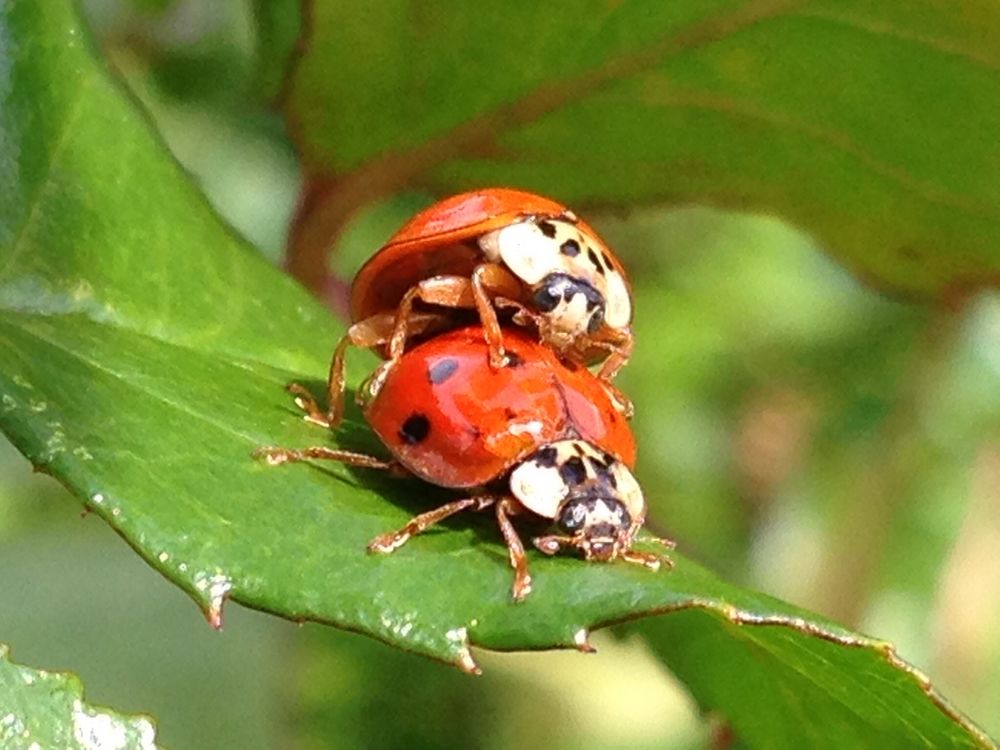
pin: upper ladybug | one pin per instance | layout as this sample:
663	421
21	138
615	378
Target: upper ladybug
489	249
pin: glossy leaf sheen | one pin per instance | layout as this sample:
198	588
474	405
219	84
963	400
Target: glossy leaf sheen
144	353
871	125
46	709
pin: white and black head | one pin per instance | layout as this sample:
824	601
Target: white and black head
593	497
573	283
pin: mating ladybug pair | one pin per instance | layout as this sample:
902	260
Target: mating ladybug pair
506	407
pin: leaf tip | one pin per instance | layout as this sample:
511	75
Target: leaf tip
217	589
581	639
463	656
465	662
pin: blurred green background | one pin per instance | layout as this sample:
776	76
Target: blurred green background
805	435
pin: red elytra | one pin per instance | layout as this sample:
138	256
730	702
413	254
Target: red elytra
435	242
454	421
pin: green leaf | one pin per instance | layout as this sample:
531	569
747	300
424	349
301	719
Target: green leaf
836	689
871	125
145	353
46	709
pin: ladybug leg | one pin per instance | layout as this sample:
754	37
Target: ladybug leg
522	315
475	292
368	333
646	559
550	545
277	456
515	549
444	291
488	282
621	402
390	542
621	352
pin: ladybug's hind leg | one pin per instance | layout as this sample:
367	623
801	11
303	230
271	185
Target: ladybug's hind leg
390	542
277	456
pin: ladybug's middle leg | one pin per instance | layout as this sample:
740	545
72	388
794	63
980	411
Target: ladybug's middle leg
390	542
368	333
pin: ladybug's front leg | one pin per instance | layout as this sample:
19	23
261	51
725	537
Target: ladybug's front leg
488	282
649	560
515	549
621	352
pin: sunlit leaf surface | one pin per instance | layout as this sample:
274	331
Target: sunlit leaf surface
40	709
145	351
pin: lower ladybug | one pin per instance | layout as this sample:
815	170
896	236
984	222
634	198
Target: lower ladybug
493	251
537	436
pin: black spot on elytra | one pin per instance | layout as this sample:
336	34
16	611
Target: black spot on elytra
546	457
570	248
548	228
509	414
514	359
441	370
573	471
415	428
607	261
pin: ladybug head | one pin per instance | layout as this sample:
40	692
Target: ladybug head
570	306
598	525
570	278
592	496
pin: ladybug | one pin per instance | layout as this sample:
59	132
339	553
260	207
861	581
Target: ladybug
483	250
538	437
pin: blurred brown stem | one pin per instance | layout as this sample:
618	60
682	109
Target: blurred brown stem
328	202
